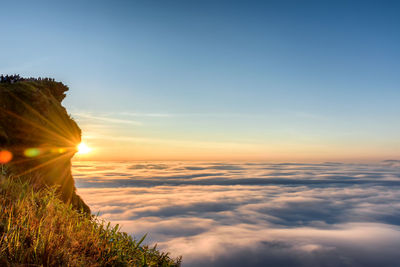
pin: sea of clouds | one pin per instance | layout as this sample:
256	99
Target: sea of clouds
253	214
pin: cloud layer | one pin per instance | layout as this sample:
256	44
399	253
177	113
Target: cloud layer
253	214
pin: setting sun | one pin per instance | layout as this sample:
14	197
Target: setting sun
83	148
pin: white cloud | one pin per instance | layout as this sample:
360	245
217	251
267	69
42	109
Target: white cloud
105	118
247	214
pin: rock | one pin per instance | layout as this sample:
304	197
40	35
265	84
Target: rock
40	134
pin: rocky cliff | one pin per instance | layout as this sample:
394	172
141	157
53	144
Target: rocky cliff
37	136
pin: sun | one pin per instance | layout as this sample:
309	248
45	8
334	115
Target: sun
83	148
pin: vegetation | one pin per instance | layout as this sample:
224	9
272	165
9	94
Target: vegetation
38	229
17	78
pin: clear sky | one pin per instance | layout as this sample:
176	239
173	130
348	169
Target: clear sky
218	80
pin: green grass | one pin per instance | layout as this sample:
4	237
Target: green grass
37	229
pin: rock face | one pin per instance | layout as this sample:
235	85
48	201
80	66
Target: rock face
40	134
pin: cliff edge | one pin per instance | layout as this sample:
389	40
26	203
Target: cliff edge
41	223
37	136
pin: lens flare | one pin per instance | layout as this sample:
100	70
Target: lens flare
32	152
5	156
83	148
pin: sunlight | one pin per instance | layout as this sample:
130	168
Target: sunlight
83	148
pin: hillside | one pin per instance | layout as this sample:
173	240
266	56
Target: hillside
38	229
43	222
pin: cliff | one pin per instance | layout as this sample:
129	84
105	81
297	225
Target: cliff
37	136
41	223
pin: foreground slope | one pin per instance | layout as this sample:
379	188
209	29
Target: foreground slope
36	227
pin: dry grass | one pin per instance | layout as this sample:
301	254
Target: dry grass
37	229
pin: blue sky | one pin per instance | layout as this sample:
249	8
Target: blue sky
257	79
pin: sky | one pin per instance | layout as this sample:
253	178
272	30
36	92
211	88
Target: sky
218	80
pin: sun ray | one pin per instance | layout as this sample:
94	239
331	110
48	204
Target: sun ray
52	133
58	130
46	163
54	125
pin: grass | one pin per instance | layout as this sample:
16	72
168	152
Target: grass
37	229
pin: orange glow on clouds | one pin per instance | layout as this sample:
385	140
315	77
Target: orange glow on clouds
116	146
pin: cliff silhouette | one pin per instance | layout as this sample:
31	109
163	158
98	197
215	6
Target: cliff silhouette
38	138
